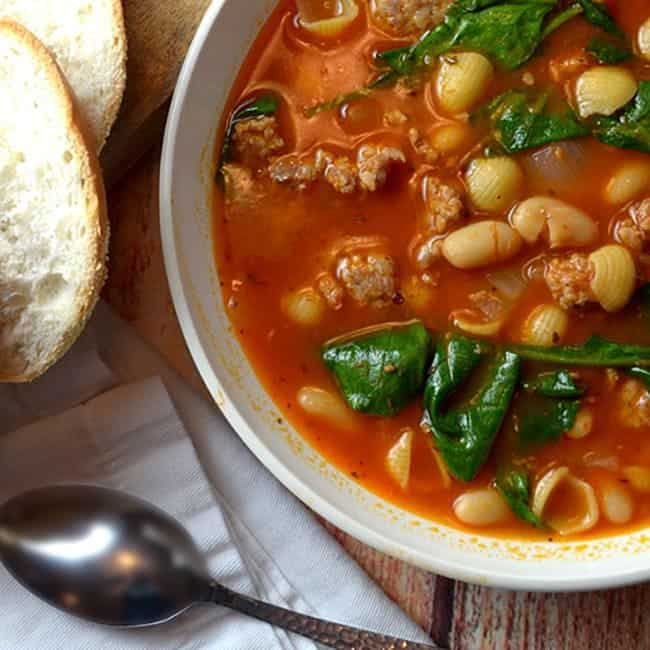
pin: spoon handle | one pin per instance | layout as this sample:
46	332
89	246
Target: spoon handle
333	635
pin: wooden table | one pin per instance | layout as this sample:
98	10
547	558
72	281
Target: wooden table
456	615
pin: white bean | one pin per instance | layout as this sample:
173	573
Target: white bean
323	404
617	504
481	244
628	182
481	508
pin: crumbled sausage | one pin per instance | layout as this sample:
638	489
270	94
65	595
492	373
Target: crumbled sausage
568	279
369	173
488	303
423	147
634	231
341	174
406	17
257	139
369	279
240	186
291	170
373	163
634	401
331	290
394	118
444	205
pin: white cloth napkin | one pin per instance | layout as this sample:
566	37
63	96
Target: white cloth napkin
113	413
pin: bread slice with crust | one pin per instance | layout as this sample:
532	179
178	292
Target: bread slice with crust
88	41
53	222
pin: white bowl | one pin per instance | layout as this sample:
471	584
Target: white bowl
217	52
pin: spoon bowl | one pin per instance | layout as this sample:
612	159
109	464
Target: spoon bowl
101	555
113	559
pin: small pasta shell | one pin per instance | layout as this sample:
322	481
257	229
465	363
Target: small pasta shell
546	325
613	276
325	405
305	307
582	426
481	508
463	78
643	40
566	525
616	504
603	90
638	477
628	182
398	459
451	137
330	27
494	183
481	244
470	321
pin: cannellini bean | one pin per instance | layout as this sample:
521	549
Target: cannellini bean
639	477
643	40
331	26
628	182
494	183
463	79
582	492
603	90
450	137
546	325
468	320
481	244
481	508
583	425
562	224
617	505
613	276
326	405
398	459
305	307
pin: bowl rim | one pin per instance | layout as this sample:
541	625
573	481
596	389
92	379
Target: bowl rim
470	572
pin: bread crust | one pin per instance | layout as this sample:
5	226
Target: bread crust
121	42
83	144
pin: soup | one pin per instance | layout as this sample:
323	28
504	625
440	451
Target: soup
432	224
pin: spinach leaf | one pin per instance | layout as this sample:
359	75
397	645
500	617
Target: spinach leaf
379	371
263	106
556	384
464	436
545	420
514	486
630	128
598	15
507	31
519	121
596	351
607	51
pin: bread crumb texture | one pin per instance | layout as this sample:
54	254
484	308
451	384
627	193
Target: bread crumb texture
53	229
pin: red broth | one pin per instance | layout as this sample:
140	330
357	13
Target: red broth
281	240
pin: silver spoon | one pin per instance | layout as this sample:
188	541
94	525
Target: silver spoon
113	559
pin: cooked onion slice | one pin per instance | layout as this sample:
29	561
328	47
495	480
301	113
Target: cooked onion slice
575	491
398	459
344	15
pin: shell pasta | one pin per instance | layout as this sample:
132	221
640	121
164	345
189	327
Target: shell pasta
432	227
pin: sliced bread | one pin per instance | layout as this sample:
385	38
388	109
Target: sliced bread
88	41
53	223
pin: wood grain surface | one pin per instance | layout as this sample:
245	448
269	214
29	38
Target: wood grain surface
456	615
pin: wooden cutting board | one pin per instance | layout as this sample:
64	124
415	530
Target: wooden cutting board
159	34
